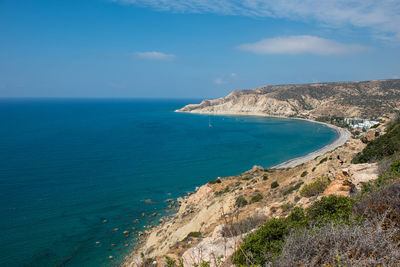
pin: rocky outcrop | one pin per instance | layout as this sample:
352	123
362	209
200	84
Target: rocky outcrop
214	205
344	99
362	173
340	186
215	249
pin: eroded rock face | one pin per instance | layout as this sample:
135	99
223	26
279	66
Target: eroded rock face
362	173
340	186
212	206
201	194
344	99
214	249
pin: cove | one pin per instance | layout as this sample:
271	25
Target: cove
74	170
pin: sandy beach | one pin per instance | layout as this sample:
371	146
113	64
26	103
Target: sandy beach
344	135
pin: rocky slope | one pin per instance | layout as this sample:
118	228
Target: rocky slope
367	99
215	214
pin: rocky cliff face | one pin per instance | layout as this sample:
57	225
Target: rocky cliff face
213	209
346	99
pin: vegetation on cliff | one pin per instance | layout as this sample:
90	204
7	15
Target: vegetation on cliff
383	146
336	230
324	101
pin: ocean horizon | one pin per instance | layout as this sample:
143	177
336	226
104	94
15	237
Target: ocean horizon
74	173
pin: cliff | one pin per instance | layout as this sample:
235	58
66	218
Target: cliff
214	224
211	223
366	99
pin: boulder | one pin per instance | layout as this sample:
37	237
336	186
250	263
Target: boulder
340	186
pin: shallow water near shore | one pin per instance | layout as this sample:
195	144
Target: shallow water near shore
71	171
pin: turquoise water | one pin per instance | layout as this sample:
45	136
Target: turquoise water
68	165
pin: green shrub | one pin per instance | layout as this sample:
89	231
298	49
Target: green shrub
383	146
333	208
241	202
322	161
256	198
216	181
274	184
265	244
192	234
394	169
170	262
315	188
304	173
265	177
389	175
313	169
226	190
292	188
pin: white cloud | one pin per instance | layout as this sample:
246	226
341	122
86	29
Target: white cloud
300	44
153	55
219	81
382	16
227	78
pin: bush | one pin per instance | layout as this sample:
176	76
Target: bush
339	245
313	169
243	226
216	181
192	234
382	205
315	188
394	169
286	207
337	209
322	161
274	184
256	198
226	190
265	244
241	202
262	245
292	188
384	145
265	177
304	173
391	173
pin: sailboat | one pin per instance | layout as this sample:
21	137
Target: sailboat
209	123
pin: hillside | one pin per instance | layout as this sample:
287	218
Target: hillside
344	214
366	99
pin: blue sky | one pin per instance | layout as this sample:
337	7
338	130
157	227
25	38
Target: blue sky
191	48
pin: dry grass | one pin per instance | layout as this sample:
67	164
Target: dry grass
341	245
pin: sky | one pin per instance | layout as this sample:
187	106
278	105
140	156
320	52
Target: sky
191	48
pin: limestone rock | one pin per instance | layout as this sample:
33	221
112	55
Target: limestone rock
211	248
340	186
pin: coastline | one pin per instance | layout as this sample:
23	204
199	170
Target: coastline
150	237
343	136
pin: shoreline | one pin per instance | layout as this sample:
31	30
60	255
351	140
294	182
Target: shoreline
343	136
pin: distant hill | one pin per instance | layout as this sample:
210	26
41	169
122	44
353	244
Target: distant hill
367	99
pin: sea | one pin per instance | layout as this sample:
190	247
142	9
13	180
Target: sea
74	173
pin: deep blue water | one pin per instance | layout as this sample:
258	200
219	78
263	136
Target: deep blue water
66	165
